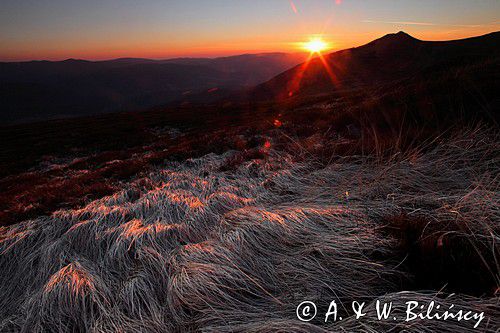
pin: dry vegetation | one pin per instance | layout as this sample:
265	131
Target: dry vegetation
224	217
234	241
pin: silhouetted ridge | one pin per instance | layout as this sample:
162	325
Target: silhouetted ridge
390	58
42	90
400	39
75	61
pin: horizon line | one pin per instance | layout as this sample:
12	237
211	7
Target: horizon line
236	54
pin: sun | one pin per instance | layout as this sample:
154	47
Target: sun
315	45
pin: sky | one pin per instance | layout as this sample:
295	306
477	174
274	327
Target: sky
106	29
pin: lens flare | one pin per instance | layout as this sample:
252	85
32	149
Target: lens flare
315	45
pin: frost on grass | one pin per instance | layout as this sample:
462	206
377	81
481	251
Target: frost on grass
194	248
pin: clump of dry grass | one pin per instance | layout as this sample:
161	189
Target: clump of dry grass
195	246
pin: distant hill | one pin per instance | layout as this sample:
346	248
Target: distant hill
427	80
436	78
398	77
41	90
392	57
392	95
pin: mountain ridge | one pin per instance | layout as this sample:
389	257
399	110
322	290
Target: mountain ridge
42	90
370	63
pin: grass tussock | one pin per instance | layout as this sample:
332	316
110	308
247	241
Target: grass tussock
234	242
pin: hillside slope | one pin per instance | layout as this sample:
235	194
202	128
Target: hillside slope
192	247
41	90
390	58
451	79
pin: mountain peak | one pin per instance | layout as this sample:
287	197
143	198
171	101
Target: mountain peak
399	37
74	61
402	33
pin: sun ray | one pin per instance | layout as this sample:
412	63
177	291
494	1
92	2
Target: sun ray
295	82
315	46
328	69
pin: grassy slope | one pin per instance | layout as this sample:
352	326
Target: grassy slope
209	244
129	232
62	164
94	154
51	165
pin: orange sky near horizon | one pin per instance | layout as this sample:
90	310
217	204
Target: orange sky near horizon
198	29
157	50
